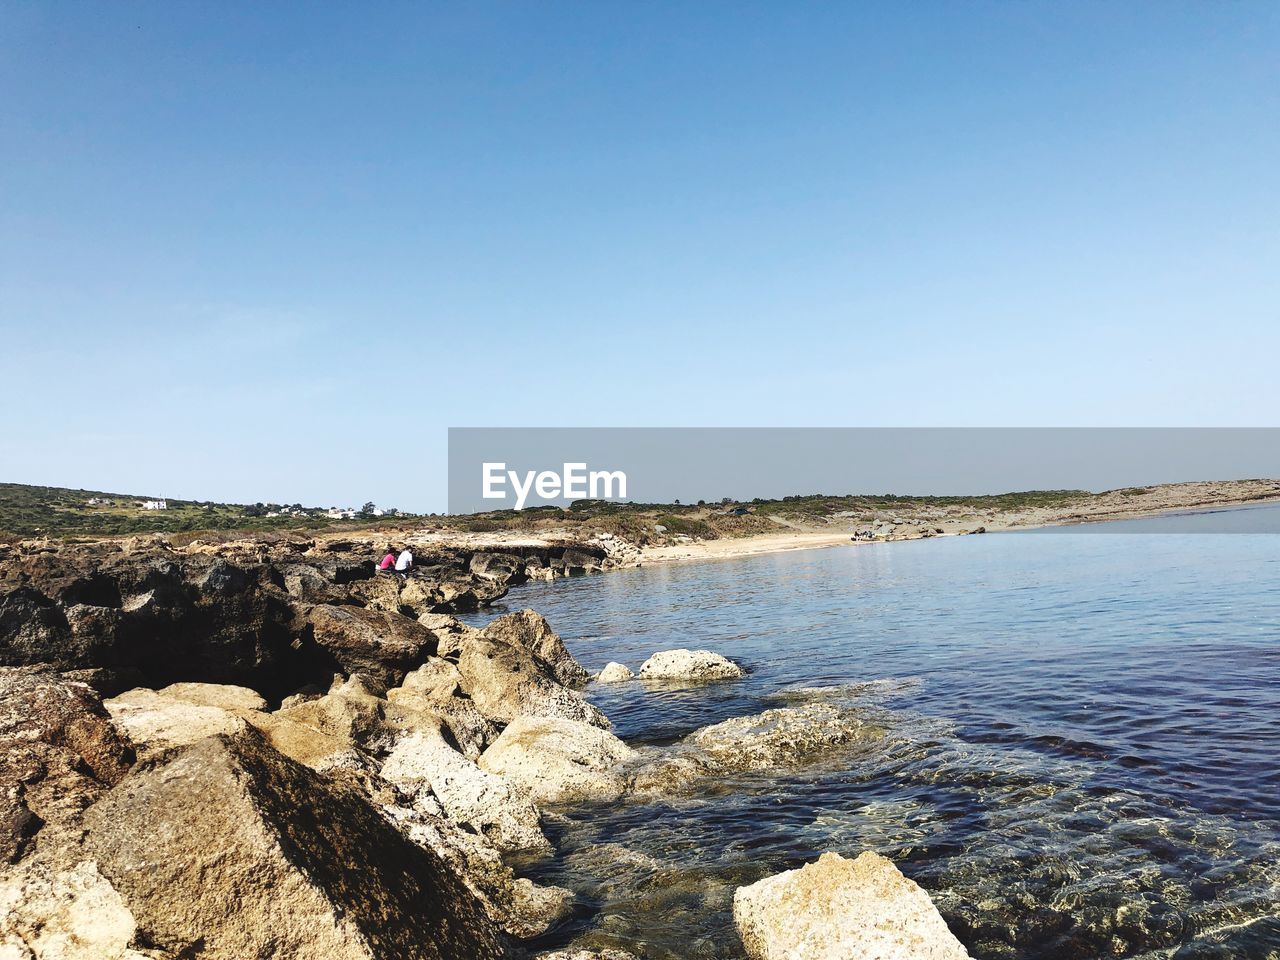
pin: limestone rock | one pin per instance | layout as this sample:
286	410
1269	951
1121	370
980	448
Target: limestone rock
232	850
614	673
838	909
155	722
382	645
48	913
558	760
487	804
695	665
530	630
58	752
507	681
537	908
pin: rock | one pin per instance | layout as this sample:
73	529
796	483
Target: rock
232	850
558	760
697	665
155	722
226	696
537	908
382	645
47	913
507	681
470	730
58	752
838	909
614	673
107	681
530	630
572	954
781	737
482	802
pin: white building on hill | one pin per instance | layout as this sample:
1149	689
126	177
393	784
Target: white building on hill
155	504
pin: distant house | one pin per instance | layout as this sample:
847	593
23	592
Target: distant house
97	502
340	513
155	504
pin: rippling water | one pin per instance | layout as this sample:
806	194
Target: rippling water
1082	755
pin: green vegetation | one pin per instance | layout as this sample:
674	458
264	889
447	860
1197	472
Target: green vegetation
59	511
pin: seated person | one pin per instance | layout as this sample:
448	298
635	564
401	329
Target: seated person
404	562
388	562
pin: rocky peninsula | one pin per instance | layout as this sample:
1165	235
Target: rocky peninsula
263	748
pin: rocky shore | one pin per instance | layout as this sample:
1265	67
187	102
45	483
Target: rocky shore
265	749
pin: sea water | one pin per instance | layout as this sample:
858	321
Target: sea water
1081	754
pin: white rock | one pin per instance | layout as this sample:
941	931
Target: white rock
559	761
689	665
614	673
499	811
838	909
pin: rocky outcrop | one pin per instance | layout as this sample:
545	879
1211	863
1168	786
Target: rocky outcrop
58	753
699	666
838	909
507	681
289	864
559	761
780	737
529	630
614	673
436	687
381	645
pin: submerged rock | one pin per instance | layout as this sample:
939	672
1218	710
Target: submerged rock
696	665
289	864
614	673
560	761
838	909
780	737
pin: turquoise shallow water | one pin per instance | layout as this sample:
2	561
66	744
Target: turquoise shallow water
1082	750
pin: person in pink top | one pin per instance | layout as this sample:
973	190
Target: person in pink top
387	564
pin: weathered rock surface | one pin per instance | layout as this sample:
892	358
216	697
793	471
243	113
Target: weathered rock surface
558	760
614	673
587	955
232	850
489	805
781	737
71	913
838	909
507	681
381	645
694	665
529	630
436	687
58	752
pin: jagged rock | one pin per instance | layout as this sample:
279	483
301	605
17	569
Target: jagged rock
290	865
106	681
837	909
489	805
536	909
350	713
58	752
73	913
695	665
614	673
155	722
502	567
507	681
529	629
775	738
559	760
382	645
436	688
226	696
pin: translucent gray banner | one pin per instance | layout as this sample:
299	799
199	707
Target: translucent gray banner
519	468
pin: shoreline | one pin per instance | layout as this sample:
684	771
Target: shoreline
790	540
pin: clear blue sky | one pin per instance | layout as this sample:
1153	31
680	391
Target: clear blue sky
272	251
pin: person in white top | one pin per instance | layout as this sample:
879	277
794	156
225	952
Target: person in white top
404	562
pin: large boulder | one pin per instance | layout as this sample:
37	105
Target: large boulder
781	737
693	665
507	681
558	760
377	643
488	805
838	909
231	850
529	629
614	673
58	753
